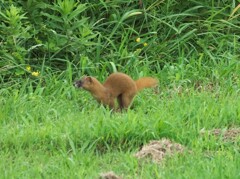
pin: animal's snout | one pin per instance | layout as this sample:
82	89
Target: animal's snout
78	84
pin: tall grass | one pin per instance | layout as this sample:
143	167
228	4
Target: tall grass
67	134
91	34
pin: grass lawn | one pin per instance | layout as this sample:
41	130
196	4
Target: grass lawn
66	134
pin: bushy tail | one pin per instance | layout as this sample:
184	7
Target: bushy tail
146	82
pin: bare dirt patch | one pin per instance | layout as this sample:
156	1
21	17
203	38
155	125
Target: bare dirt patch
227	135
157	150
109	175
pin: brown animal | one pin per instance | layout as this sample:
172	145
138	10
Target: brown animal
117	85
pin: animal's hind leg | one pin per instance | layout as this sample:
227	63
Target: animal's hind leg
120	102
127	100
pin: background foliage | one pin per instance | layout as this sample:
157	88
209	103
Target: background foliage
95	37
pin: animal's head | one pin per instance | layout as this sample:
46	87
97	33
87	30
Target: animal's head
85	82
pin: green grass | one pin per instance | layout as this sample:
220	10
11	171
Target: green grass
52	135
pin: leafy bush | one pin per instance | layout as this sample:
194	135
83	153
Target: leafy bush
97	37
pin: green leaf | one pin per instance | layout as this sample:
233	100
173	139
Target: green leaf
79	24
53	17
19	72
76	12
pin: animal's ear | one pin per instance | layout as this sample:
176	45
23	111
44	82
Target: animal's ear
88	79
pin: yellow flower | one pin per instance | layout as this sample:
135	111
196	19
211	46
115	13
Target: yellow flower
145	44
35	73
138	39
28	68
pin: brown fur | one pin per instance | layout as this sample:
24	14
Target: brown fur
117	86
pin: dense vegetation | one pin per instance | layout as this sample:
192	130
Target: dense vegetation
51	130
